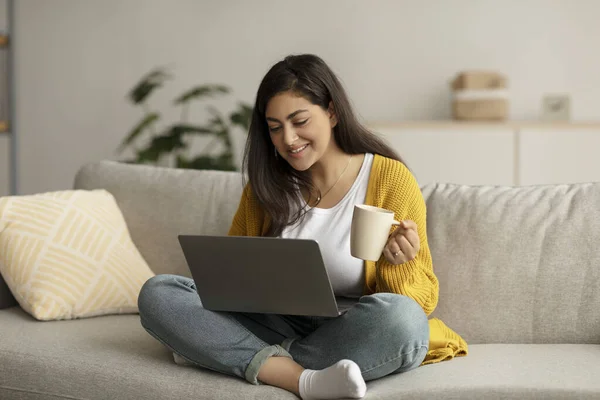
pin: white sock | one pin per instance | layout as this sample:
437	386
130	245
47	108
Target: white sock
341	380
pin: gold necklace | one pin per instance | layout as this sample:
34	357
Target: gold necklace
336	182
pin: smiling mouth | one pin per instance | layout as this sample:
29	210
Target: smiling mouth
299	149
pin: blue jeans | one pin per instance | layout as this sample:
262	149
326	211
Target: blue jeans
383	333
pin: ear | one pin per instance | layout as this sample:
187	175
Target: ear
332	116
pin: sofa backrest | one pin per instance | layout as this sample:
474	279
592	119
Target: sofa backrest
160	203
515	265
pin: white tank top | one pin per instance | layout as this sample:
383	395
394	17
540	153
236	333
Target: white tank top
331	229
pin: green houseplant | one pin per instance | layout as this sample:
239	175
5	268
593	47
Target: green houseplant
174	139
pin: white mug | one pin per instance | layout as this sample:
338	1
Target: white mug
369	231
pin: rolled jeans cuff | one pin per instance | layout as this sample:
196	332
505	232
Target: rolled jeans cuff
259	359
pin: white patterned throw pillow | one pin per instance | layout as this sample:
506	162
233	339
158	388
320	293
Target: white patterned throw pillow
68	254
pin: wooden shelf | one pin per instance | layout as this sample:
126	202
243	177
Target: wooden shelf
450	124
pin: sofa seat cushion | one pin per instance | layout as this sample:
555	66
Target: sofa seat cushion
503	371
112	357
107	357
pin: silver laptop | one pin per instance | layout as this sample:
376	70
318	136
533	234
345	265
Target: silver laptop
260	275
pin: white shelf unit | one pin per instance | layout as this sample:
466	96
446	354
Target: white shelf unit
511	153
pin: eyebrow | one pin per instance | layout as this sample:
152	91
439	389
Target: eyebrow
292	115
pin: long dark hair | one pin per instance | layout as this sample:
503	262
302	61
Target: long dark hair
274	182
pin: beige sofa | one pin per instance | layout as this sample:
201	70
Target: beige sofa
519	272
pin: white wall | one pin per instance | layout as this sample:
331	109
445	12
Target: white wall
76	59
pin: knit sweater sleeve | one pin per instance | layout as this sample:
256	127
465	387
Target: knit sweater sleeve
249	219
238	225
400	192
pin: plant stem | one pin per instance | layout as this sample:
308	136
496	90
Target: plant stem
153	131
152	126
184	152
185	108
210	145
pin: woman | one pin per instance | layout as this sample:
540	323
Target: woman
309	161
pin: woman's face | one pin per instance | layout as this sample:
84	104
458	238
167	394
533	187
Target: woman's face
300	131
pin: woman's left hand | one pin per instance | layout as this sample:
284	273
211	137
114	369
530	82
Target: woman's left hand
403	244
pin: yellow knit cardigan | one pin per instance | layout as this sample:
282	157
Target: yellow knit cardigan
391	186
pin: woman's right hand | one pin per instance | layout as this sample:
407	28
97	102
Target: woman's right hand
403	244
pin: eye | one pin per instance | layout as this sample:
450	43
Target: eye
300	123
274	128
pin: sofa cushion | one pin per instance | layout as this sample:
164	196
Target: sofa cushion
108	357
161	203
517	264
68	254
112	357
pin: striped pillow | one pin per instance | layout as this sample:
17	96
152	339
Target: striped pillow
68	254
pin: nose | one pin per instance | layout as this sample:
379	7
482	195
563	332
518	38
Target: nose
289	136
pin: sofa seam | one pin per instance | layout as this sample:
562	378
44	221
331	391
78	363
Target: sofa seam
60	396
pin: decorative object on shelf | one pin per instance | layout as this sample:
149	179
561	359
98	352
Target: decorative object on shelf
556	107
480	95
174	140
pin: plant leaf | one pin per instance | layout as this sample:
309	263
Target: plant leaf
154	79
218	123
149	154
145	123
201	91
181	129
223	163
181	161
168	143
217	120
242	116
162	144
130	161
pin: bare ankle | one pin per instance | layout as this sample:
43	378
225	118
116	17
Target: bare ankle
282	372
